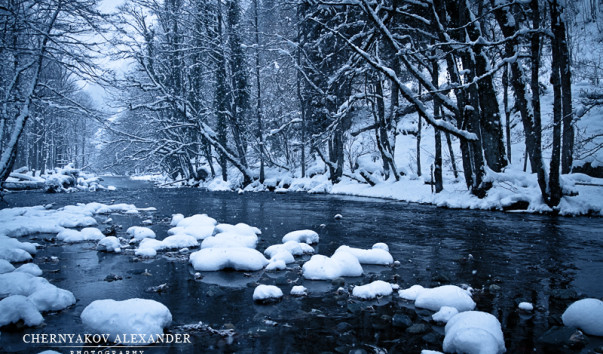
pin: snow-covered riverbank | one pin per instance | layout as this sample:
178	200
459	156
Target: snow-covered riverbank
512	190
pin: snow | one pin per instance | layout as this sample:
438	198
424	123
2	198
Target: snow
525	306
267	292
586	314
293	247
239	228
137	316
474	332
228	239
30	268
435	298
176	218
145	252
86	234
13	250
148	247
299	290
179	241
381	246
237	258
306	236
411	293
200	226
117	208
377	256
341	264
19	307
6	266
276	264
39	291
444	314
17	222
140	232
373	290
284	256
109	244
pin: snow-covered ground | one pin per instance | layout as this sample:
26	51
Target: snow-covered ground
512	189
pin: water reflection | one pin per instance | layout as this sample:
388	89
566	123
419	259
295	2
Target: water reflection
525	257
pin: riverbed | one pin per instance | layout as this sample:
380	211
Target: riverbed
506	258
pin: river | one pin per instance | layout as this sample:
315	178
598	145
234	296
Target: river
506	257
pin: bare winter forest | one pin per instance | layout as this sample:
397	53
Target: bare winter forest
245	90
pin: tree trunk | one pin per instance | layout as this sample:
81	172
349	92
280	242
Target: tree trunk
437	168
505	82
554	183
260	133
567	148
452	158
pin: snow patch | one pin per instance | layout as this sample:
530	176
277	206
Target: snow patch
267	292
109	244
140	232
306	236
474	332
19	307
373	290
341	264
377	256
140	316
237	258
586	314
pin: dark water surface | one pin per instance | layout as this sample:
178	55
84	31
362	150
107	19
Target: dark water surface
507	258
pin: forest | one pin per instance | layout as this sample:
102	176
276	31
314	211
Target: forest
198	89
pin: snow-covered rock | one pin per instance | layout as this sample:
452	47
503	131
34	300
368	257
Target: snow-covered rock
145	252
39	291
433	299
267	293
30	268
109	244
445	314
373	290
240	228
306	236
137	316
179	241
377	256
586	314
526	306
299	290
176	218
341	264
228	239
140	232
294	248
13	250
411	293
237	258
381	246
117	208
86	234
276	264
6	266
19	307
200	226
474	332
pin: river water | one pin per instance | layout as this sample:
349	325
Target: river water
506	257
